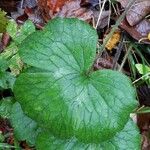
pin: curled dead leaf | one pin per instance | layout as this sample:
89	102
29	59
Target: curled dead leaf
137	12
138	31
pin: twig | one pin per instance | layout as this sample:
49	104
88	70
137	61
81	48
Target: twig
147	74
22	3
100	13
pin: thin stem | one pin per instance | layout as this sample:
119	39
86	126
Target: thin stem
147	74
100	14
22	2
125	57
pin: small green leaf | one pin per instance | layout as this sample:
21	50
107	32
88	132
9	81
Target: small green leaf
11	50
6	80
145	71
2	138
3	64
19	34
66	98
3	21
5	146
24	127
127	139
5	107
142	69
15	64
12	28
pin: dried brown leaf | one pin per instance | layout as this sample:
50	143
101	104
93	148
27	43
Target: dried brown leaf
137	12
64	8
138	31
50	7
104	62
73	9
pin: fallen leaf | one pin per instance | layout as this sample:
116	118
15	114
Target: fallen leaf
103	63
143	27
5	40
137	12
64	8
50	7
72	9
34	15
138	31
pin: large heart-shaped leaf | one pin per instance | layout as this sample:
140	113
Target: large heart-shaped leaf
67	98
127	139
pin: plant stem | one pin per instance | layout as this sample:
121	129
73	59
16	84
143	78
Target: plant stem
125	57
147	74
100	13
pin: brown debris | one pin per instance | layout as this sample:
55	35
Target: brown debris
139	31
137	12
64	8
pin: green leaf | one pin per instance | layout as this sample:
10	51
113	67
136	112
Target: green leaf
67	98
6	80
12	28
3	21
127	139
5	107
2	138
15	64
145	71
3	64
24	127
19	34
11	50
6	146
142	69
